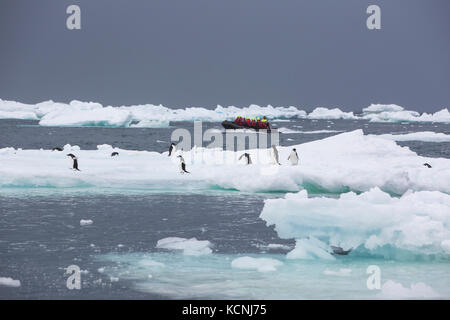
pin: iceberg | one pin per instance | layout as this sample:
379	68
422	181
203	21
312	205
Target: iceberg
417	222
325	113
395	113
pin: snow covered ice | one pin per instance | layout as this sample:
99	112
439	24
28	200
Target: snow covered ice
418	222
347	161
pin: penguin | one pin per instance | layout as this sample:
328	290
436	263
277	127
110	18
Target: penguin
114	154
172	148
274	155
75	161
182	165
293	157
57	149
427	165
247	157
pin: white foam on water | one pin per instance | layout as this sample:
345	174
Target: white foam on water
86	222
396	291
342	272
258	264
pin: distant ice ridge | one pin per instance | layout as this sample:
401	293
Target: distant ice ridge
417	222
346	161
426	136
77	113
395	113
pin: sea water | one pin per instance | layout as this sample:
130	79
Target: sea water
118	253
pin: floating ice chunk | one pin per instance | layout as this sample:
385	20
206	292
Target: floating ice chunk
343	272
259	264
9	282
310	249
382	108
325	113
393	290
86	222
418	221
190	247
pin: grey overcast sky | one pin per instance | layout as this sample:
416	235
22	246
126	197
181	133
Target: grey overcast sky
180	53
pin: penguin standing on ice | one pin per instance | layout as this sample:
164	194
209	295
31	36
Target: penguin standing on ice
247	158
114	154
182	165
75	161
293	157
172	148
57	149
427	165
274	155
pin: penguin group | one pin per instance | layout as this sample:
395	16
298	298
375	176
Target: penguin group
293	157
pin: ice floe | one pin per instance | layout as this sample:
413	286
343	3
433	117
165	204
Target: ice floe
343	162
9	282
418	222
189	247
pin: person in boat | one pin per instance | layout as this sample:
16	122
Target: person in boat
239	120
265	123
259	123
248	122
253	123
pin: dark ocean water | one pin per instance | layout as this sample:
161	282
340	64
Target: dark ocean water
40	232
